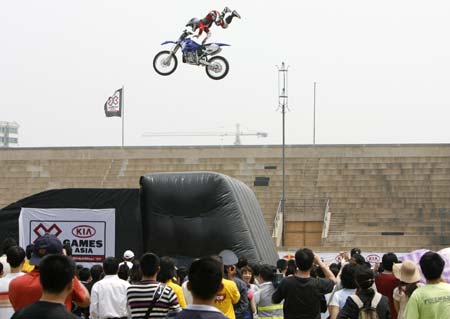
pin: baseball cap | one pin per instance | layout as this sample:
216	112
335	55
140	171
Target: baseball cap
228	257
45	245
355	251
128	254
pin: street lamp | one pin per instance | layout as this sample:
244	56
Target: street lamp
283	104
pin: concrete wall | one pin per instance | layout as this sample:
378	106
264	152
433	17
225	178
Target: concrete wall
373	189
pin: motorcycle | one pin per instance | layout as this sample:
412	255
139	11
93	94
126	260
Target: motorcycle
216	67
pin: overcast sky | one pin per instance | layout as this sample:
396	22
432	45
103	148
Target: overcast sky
382	70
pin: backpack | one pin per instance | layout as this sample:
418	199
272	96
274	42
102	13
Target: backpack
367	312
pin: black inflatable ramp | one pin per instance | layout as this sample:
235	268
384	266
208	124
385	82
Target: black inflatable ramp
193	214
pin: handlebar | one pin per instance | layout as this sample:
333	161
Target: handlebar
185	34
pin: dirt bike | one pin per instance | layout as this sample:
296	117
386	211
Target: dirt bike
216	67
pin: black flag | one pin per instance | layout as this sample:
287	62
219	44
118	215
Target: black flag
113	106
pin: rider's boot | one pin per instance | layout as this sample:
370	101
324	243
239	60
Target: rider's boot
235	14
224	11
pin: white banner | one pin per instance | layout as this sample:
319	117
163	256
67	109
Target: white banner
334	257
90	232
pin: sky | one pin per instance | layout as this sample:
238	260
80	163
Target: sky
382	71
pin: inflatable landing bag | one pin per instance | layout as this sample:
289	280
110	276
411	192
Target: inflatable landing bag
194	214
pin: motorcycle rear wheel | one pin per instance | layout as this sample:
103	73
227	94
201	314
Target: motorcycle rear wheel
165	63
218	68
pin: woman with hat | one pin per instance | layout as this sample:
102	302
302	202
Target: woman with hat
408	274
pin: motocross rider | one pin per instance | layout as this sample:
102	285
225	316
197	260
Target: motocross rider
213	16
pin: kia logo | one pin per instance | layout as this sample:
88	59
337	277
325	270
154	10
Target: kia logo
83	231
373	258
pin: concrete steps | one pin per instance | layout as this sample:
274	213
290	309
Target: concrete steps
372	189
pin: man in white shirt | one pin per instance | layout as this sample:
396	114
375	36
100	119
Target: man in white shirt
187	293
128	257
15	257
109	295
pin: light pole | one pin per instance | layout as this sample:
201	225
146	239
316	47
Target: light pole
282	104
314	116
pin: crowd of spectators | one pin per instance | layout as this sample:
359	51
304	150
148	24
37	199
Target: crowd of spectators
43	281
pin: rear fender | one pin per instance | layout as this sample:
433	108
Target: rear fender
168	42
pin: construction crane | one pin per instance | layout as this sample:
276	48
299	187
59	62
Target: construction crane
237	134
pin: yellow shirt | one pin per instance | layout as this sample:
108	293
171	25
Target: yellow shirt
27	267
227	297
429	302
178	291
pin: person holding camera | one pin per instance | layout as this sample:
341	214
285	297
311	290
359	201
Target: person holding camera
302	293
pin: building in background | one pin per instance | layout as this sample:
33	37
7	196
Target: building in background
9	134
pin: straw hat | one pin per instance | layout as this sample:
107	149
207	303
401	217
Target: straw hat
406	272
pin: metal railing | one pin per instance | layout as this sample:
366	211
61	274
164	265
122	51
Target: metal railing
277	232
300	206
306	204
326	220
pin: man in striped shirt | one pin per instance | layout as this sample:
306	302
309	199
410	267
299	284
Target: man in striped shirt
140	296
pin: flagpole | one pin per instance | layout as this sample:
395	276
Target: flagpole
123	115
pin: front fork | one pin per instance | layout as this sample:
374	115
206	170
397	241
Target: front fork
172	54
175	49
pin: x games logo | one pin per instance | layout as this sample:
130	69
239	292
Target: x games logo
40	230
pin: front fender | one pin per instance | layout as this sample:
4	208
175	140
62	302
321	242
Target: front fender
168	42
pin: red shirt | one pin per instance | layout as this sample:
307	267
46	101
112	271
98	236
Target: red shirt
386	284
27	289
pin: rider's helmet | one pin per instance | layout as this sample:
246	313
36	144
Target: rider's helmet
193	23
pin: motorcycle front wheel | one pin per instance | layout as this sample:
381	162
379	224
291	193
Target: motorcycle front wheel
218	68
165	63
